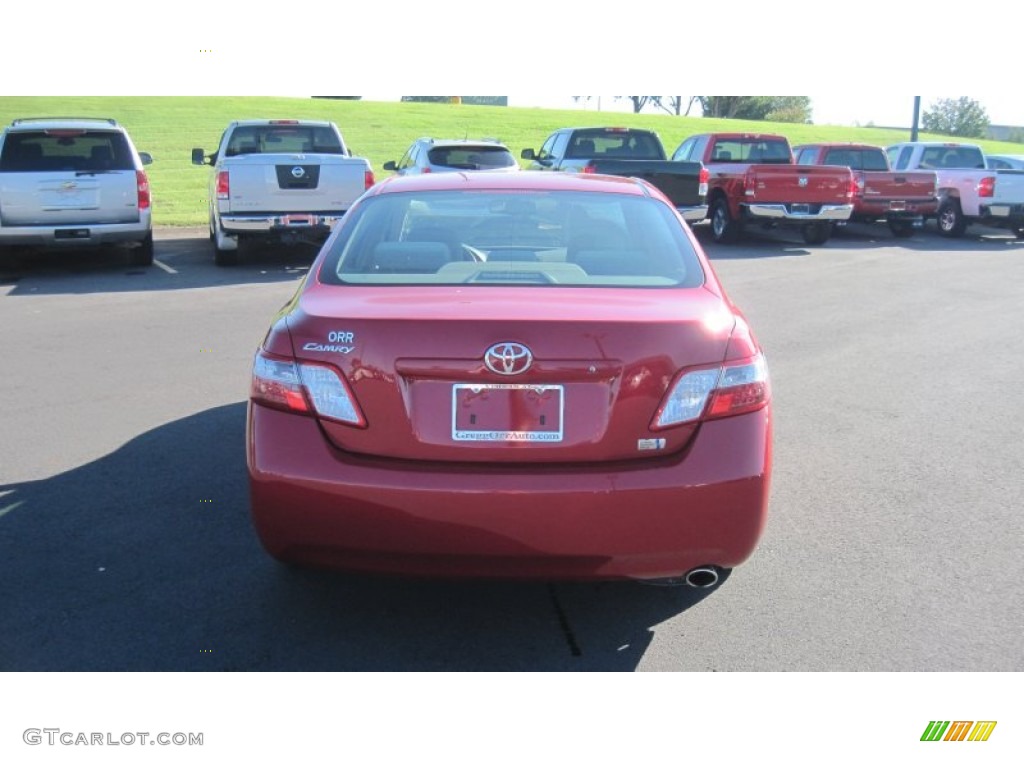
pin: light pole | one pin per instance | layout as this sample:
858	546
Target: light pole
917	116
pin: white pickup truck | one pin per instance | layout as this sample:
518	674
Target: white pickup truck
283	180
963	180
1005	207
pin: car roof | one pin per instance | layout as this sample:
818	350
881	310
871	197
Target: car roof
70	123
462	142
1009	157
284	121
538	181
837	145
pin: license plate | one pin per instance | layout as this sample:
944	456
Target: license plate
507	413
297	221
1000	210
898	205
800	208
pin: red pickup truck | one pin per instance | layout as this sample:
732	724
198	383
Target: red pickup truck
902	199
753	179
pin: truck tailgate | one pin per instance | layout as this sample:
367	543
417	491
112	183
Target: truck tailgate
679	181
906	185
267	183
799	184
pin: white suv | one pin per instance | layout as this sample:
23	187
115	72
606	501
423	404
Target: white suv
444	155
74	182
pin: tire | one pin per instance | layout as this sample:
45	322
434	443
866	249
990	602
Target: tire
142	256
724	228
950	218
1019	232
817	233
223	256
901	228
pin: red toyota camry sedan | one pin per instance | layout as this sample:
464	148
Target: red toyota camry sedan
533	375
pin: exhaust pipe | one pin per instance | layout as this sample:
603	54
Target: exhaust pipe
705	576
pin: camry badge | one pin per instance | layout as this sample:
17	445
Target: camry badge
508	358
298	172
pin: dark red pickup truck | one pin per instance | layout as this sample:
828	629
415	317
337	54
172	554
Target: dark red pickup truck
902	199
753	179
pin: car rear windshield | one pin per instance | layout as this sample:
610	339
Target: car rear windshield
751	150
471	158
610	143
512	238
268	139
858	159
952	157
65	150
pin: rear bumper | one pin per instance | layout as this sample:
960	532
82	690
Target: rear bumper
1003	215
76	235
693	213
269	223
652	519
895	209
794	212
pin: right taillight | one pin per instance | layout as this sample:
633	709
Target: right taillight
750	183
702	179
223	186
142	184
738	387
368	179
301	387
589	168
987	186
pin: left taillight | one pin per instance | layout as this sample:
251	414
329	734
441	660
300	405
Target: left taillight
142	183
737	387
304	388
703	179
987	186
368	180
223	185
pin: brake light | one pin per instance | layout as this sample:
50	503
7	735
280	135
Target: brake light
368	179
987	186
303	388
64	133
713	393
223	186
142	182
750	183
589	168
426	169
284	122
856	186
703	178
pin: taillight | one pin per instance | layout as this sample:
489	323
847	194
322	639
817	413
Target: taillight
589	168
142	181
368	179
302	387
714	393
857	188
987	186
703	178
223	186
426	169
750	183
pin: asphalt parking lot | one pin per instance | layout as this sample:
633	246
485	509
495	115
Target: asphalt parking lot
893	542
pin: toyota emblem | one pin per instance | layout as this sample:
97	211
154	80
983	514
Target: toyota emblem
802	181
298	172
508	358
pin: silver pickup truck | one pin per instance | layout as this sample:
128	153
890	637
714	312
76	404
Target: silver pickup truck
283	180
1005	205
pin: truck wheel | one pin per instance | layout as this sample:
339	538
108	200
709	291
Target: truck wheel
901	228
1019	231
225	248
950	219
143	255
817	233
724	228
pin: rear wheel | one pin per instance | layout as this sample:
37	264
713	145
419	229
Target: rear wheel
901	228
142	256
225	248
950	219
1019	231
817	232
724	228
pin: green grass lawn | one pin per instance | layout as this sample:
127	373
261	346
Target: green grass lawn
169	126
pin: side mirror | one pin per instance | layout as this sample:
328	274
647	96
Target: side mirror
146	158
528	154
198	156
390	166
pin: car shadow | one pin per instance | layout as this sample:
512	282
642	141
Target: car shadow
184	260
145	559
